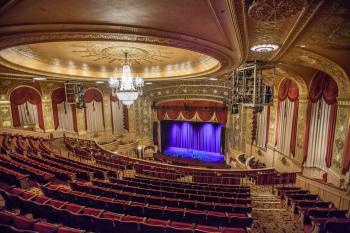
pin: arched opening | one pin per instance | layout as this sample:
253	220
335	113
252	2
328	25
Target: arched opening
94	117
287	116
64	115
320	122
26	107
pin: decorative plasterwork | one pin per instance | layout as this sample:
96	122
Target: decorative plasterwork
311	59
267	10
127	34
293	76
331	29
103	59
201	89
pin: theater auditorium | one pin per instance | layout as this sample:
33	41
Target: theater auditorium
174	116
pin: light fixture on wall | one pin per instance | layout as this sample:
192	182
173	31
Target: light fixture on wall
39	78
264	48
126	88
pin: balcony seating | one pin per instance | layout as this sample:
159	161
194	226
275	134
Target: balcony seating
13	177
337	226
167	213
236	197
57	172
170	202
34	173
11	222
98	173
92	219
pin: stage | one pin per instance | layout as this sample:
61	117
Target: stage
204	156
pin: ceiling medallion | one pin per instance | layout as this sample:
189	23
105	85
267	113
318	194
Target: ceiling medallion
267	10
264	48
127	89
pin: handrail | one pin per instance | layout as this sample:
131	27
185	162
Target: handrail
26	133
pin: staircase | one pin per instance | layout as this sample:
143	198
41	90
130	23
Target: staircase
271	216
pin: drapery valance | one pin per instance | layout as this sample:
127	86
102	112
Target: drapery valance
58	96
125	112
189	108
92	94
288	89
322	86
20	96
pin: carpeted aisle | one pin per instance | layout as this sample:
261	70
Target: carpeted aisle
270	215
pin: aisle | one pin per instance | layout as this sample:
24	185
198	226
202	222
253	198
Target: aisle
269	214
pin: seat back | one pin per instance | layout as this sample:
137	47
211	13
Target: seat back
337	227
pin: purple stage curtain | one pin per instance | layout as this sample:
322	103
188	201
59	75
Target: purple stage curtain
191	135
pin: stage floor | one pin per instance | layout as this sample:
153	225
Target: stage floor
204	156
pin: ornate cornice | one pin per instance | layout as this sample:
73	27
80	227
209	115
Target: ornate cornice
311	59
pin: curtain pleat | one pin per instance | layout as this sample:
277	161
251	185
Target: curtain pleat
117	117
262	127
94	116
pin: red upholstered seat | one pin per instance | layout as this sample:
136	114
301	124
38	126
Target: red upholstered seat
16	191
132	218
6	217
112	215
157	222
27	195
44	227
68	230
202	228
92	211
233	230
41	199
181	225
23	223
74	208
56	203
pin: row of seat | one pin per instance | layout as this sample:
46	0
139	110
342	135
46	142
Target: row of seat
11	222
34	173
321	216
80	172
184	185
189	195
13	177
238	190
212	218
98	172
161	201
97	220
57	172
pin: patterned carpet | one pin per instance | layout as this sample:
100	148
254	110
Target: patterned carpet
270	215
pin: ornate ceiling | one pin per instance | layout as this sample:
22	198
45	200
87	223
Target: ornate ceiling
199	37
102	59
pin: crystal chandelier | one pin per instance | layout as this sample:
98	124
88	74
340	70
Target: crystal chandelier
127	89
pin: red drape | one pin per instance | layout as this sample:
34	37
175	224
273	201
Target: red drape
21	95
188	108
288	89
346	158
126	117
267	125
324	86
91	94
57	97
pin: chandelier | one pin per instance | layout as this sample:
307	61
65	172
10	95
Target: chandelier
126	88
